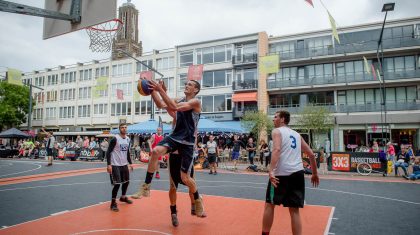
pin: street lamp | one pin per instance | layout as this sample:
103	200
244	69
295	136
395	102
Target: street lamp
386	7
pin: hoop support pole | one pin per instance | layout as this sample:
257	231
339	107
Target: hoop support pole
147	66
74	16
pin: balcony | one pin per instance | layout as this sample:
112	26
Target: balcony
245	85
401	106
345	78
372	45
245	59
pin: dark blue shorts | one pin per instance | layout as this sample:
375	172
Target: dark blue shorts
175	162
235	155
186	152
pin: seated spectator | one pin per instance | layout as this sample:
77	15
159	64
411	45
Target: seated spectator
416	170
403	158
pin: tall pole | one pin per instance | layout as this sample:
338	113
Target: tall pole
30	107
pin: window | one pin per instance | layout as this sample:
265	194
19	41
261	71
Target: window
83	111
39	81
67	112
120	70
39	97
214	54
165	63
216	78
399	64
52	79
169	83
37	114
102	72
51	96
85	92
85	75
141	68
68	77
126	87
216	103
186	58
50	113
68	94
183	80
100	109
319	46
118	109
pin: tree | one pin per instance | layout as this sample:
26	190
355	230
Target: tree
257	122
14	103
316	120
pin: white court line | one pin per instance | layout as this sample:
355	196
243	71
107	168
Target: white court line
122	229
59	213
39	166
39	162
327	228
52	185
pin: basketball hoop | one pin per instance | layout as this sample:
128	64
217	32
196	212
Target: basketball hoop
102	35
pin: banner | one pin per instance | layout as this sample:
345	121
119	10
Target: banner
195	72
269	64
379	75
148	75
310	2
101	85
373	72
120	94
333	27
14	76
340	161
367	68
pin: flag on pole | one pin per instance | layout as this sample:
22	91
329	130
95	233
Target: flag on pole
310	2
120	94
269	64
373	72
148	75
14	76
379	75
195	72
367	68
333	27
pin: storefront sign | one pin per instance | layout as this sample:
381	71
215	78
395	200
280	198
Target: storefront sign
219	116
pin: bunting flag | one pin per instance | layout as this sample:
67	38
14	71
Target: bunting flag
120	94
148	75
14	76
333	27
269	64
373	72
367	68
101	85
310	2
379	75
195	72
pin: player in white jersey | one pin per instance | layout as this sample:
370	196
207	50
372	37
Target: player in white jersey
286	183
118	159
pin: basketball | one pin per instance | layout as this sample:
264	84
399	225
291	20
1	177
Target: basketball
143	88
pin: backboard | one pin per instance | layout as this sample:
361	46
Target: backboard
93	12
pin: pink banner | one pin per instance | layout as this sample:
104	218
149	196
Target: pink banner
310	2
120	94
148	75
195	72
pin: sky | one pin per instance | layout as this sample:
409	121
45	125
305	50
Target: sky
166	23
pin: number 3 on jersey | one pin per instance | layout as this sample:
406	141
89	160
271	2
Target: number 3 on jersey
293	146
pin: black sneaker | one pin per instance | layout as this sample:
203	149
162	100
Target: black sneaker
126	200
211	173
215	173
175	221
114	207
405	177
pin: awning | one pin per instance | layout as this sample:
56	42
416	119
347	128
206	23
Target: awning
249	96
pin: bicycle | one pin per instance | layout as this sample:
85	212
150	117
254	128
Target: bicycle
365	169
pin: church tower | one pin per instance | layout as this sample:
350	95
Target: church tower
128	38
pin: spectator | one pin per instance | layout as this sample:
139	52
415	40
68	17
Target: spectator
416	170
137	151
79	142
236	150
212	153
375	147
104	147
86	142
250	147
402	161
264	152
92	143
390	152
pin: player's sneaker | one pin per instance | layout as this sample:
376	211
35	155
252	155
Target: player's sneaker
199	208
144	191
126	200
114	206
174	218
157	176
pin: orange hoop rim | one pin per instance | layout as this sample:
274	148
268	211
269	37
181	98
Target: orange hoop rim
119	23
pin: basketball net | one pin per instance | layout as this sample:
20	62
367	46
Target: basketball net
102	35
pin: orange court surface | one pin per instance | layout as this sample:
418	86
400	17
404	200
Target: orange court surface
225	215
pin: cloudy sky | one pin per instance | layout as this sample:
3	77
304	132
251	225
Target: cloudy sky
166	23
